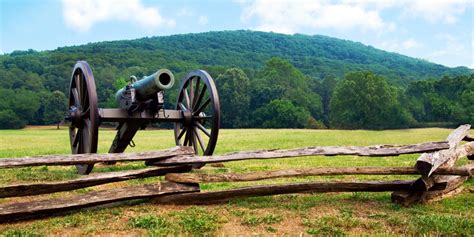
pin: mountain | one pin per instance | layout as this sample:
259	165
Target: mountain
316	56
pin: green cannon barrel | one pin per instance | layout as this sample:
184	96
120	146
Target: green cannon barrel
145	88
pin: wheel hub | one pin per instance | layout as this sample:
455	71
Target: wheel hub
75	116
188	118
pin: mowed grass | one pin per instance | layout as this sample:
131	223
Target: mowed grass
310	214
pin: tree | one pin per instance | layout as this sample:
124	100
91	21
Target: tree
9	120
17	107
444	101
55	107
467	102
262	94
365	100
325	89
281	114
234	94
296	87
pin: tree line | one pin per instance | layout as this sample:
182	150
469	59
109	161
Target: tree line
281	96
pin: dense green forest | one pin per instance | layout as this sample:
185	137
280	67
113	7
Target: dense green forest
264	80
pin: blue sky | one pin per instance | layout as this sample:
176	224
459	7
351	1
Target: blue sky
439	31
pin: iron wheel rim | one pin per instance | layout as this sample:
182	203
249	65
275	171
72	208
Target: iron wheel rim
83	97
198	95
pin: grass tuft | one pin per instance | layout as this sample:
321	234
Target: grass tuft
254	220
198	221
442	225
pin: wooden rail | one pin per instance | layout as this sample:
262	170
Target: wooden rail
429	162
265	190
19	190
423	190
78	159
23	210
381	150
261	175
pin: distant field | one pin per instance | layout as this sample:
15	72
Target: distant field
310	214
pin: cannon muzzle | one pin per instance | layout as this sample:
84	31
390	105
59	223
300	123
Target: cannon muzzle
145	88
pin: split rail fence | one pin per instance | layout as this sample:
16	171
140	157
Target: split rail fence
439	178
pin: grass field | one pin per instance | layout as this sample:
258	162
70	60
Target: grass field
308	214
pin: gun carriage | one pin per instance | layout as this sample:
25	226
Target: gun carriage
196	116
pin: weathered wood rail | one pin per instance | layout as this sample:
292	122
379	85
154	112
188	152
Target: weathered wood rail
265	190
423	189
22	210
28	189
79	159
429	162
254	176
377	151
439	177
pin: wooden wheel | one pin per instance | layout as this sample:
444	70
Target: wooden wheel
199	102
83	113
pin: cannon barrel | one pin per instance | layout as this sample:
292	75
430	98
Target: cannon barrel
145	88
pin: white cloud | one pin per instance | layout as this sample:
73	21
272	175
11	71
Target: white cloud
374	4
289	16
203	20
83	14
410	43
445	11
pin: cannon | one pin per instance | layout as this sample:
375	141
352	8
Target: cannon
196	116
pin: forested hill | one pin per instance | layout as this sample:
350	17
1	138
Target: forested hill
33	84
316	56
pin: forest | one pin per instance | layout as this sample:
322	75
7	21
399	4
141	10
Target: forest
264	80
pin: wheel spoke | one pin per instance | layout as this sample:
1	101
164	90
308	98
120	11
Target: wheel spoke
75	95
186	139
201	108
181	133
183	108
191	93
86	113
82	91
186	97
76	137
78	82
85	101
194	142
202	117
85	93
202	128
196	91
201	95
80	141
199	138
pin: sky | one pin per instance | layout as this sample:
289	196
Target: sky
440	31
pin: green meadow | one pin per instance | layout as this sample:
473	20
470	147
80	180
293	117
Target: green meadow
308	214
